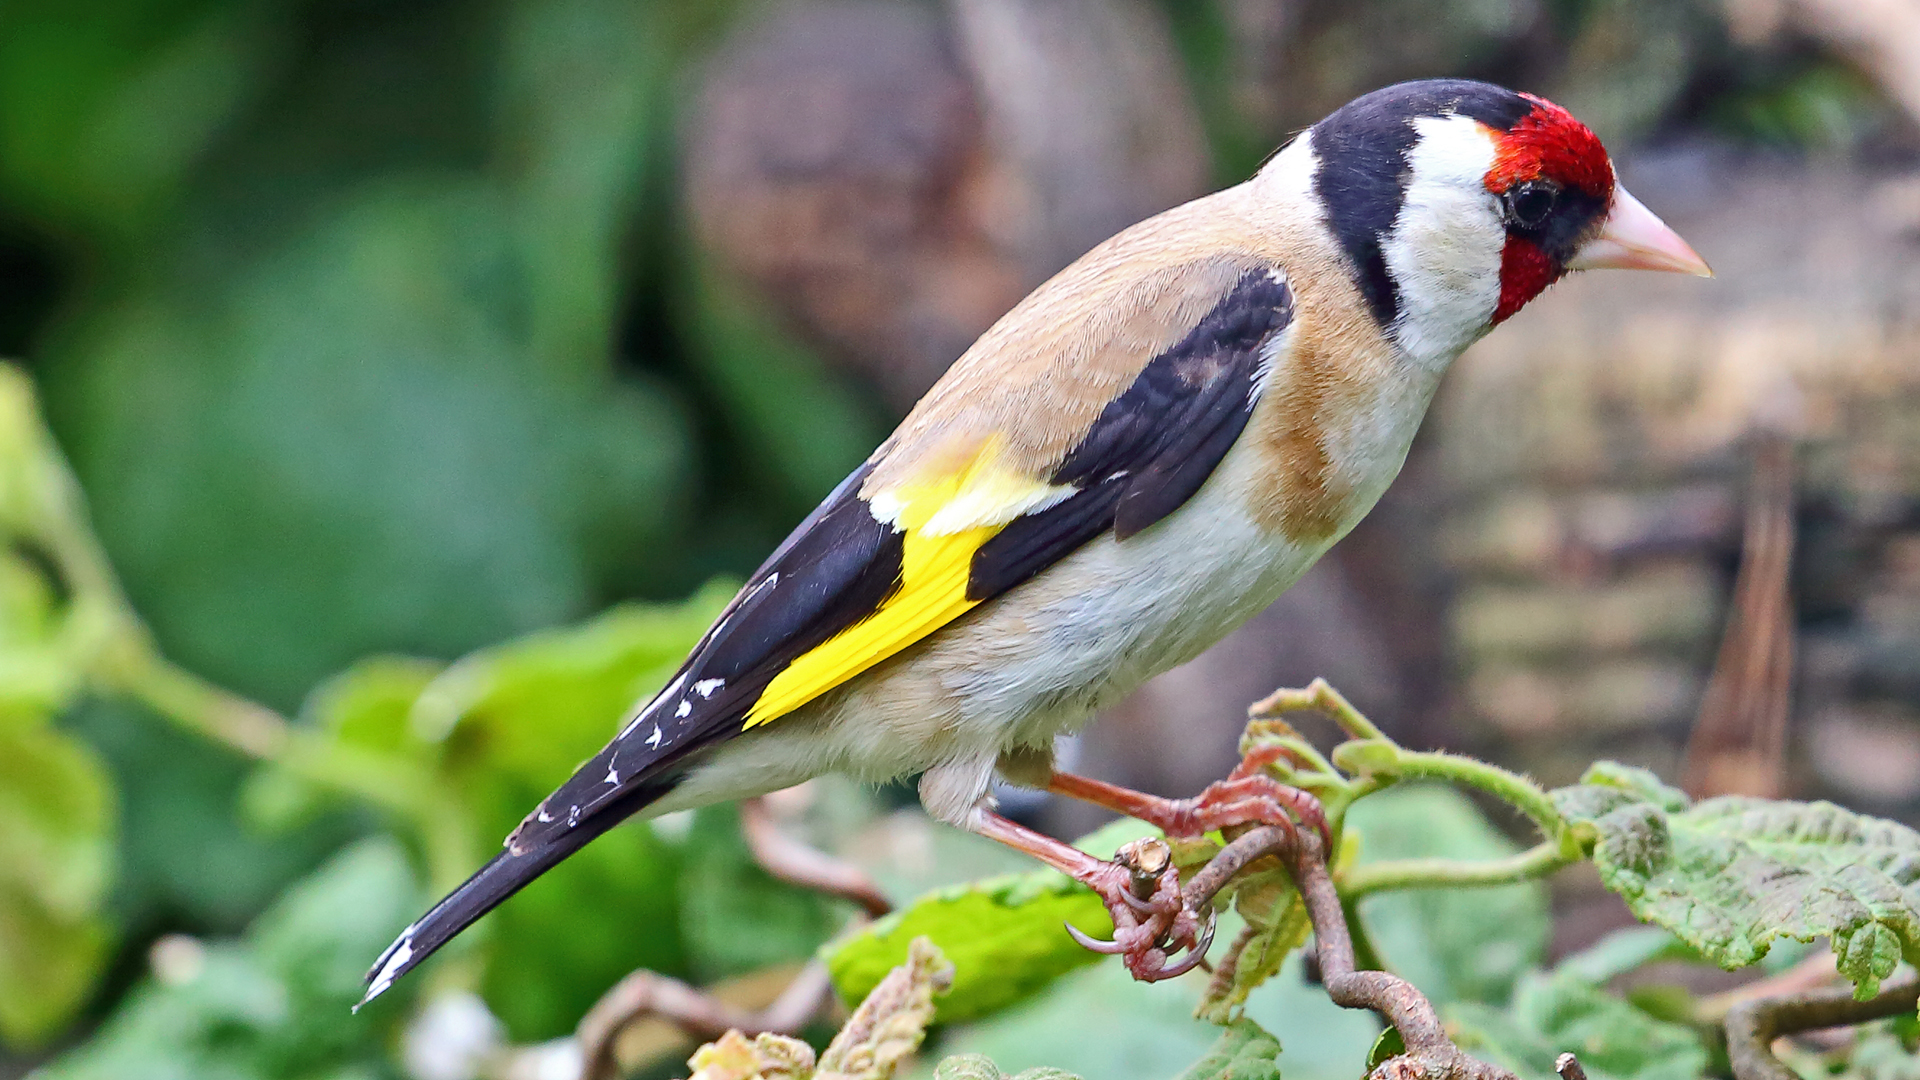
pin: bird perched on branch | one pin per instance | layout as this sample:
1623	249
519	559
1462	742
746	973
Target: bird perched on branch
1143	453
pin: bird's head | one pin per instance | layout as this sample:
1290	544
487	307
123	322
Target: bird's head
1457	202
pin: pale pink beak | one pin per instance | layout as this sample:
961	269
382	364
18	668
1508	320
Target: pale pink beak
1634	239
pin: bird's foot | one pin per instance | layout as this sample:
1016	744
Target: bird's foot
1155	931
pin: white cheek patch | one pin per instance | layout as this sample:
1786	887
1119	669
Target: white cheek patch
1444	250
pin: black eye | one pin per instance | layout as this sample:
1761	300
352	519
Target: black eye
1529	204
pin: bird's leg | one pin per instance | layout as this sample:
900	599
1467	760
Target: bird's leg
1246	797
1151	920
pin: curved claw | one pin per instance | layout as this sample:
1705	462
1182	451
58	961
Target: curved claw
1088	941
1195	954
1144	907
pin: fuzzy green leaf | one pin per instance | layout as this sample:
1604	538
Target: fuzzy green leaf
1003	934
1731	875
56	858
1389	1044
1552	1014
1623	951
1245	1052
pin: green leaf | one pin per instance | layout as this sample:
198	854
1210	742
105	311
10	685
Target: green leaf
1244	1052
56	860
1270	904
1390	1044
1454	944
1623	951
275	1003
527	712
1004	936
1731	875
1553	1014
370	703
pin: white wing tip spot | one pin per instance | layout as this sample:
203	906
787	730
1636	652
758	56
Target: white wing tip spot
706	687
612	776
653	740
390	970
681	712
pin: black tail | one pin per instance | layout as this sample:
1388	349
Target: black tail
504	875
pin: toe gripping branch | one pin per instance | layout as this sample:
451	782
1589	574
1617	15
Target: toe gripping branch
1152	920
1160	928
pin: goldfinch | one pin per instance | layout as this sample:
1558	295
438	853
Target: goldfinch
1143	453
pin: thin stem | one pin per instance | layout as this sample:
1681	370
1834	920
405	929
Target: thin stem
199	706
1523	794
1536	862
1311	754
1752	1026
1318	696
408	791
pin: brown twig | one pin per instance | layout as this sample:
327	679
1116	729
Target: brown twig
702	1016
644	994
1430	1054
1752	1026
1813	973
808	867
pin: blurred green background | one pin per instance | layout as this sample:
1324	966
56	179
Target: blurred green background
402	328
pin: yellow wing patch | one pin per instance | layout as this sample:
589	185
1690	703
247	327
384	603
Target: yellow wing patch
945	520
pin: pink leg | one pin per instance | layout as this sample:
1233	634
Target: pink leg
1141	890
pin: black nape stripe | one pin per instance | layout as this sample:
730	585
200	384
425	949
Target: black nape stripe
1153	446
1363	174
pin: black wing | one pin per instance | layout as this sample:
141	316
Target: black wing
1155	444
